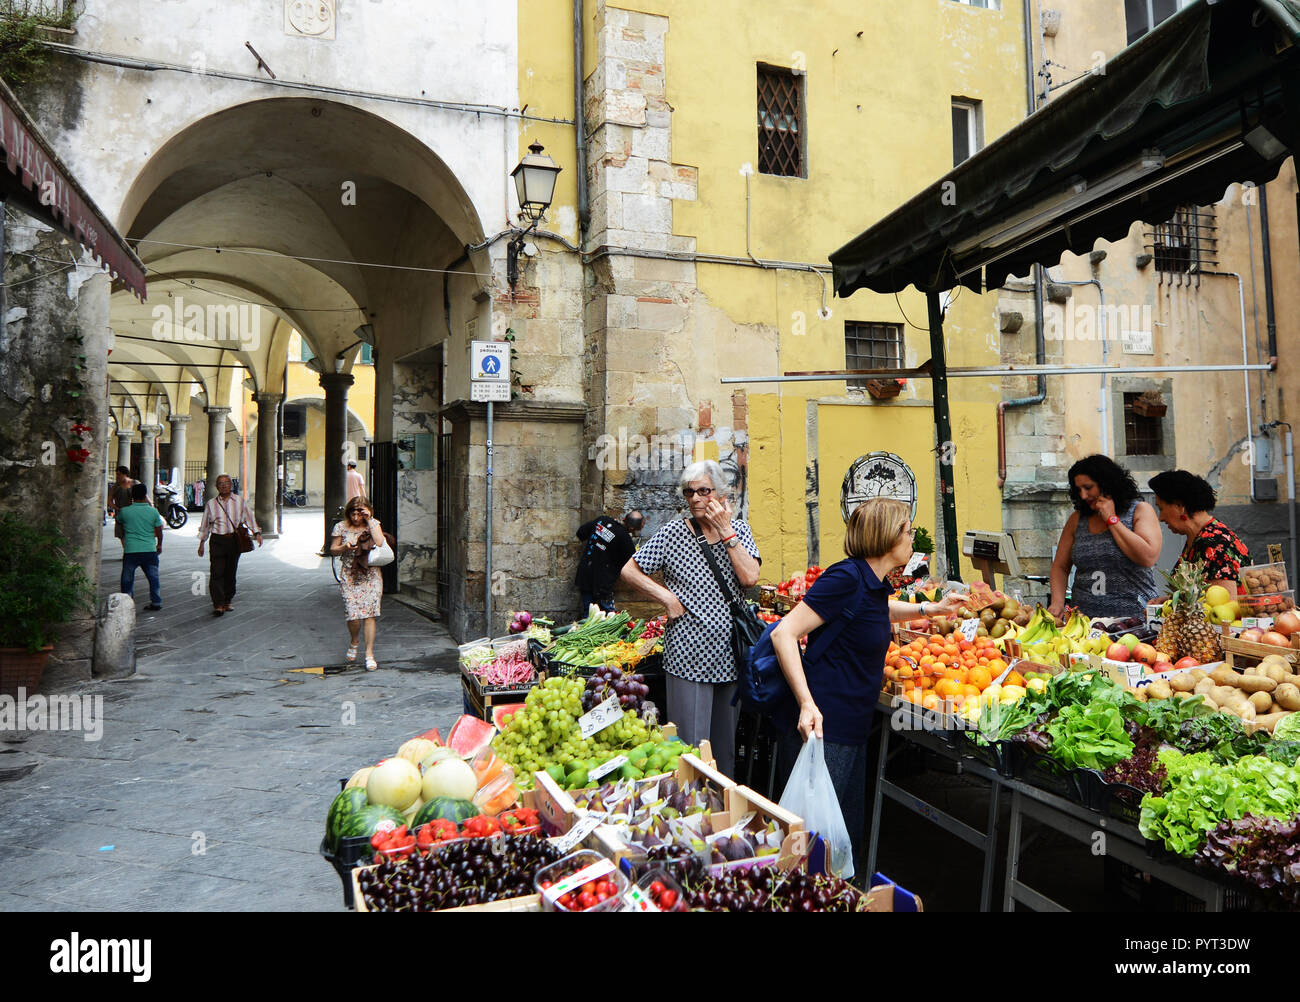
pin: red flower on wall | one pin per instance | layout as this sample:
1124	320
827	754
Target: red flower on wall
78	455
82	429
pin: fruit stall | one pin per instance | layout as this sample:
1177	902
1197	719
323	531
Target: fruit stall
576	799
1181	752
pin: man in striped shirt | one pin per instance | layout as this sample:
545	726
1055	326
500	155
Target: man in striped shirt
221	517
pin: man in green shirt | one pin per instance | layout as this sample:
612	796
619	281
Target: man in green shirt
141	543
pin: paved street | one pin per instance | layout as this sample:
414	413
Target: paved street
218	760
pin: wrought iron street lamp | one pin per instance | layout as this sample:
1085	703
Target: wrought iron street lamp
534	179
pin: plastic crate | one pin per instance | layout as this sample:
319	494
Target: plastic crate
1121	801
996	754
1046	773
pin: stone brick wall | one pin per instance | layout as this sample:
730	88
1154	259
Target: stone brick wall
53	344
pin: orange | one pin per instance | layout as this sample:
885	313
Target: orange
913	696
996	667
947	687
930	701
980	678
1015	678
925	681
969	690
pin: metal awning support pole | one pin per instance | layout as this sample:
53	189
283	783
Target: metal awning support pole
943	437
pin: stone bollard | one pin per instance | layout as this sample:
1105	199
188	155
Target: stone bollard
115	638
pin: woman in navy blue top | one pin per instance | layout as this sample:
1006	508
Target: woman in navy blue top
836	695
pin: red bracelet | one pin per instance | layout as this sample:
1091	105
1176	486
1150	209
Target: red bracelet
729	538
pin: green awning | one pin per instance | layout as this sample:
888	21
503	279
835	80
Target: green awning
1209	98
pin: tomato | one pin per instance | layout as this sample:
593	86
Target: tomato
587	900
546	884
565	901
667	899
656	889
589	887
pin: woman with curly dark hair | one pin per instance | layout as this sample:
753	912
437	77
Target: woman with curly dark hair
1112	540
1186	504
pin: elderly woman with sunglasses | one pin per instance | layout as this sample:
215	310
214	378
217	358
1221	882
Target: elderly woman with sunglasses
697	640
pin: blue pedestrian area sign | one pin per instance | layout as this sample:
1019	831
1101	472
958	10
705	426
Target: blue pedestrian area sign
489	361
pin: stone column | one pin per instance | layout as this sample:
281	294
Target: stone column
148	464
124	448
216	449
336	386
178	423
264	493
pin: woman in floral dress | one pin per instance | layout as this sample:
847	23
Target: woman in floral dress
1186	504
362	586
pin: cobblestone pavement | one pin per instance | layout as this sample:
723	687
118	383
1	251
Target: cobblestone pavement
217	762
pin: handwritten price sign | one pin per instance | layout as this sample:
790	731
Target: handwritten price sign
600	717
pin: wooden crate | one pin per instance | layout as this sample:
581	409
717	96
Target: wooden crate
484	700
524	903
558	812
1241	654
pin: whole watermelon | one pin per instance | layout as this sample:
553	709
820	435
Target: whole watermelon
367	819
445	809
347	803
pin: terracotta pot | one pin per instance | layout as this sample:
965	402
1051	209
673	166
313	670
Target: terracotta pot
21	669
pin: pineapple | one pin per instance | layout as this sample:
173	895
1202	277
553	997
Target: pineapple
1187	632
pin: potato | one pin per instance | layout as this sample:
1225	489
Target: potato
1256	683
1182	683
1186	695
1254	670
1159	689
1246	711
1204	686
1198	674
1287	696
1270	720
1225	676
1276	672
1228	697
1261	701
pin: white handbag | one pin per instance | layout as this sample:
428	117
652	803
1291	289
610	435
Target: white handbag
381	555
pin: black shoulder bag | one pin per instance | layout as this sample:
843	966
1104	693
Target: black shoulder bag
746	627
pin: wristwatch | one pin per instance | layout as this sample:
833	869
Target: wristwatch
732	543
1113	520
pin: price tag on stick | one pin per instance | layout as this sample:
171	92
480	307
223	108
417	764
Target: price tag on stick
616	762
600	717
583	827
969	627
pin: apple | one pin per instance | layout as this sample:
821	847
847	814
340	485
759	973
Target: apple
1188	662
1145	653
1130	641
1118	652
1161	656
1254	635
1217	595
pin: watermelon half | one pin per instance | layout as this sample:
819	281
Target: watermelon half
469	735
503	713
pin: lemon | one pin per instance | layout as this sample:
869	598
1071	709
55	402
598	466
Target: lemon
1217	595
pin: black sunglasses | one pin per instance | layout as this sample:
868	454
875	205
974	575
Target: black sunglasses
689	492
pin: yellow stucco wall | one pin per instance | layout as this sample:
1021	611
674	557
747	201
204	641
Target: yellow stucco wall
878	86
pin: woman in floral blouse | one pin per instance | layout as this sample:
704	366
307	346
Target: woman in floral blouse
1186	504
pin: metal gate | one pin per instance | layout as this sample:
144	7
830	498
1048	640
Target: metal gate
444	525
383	497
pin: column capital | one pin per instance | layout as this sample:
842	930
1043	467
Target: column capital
336	380
216	411
125	433
178	418
268	398
152	430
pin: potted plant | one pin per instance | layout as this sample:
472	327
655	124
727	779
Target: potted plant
885	389
1150	404
41	587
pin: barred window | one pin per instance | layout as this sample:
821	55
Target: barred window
780	122
1187	242
1143	436
872	346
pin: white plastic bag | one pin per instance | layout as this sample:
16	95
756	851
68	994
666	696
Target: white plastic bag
381	555
811	795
